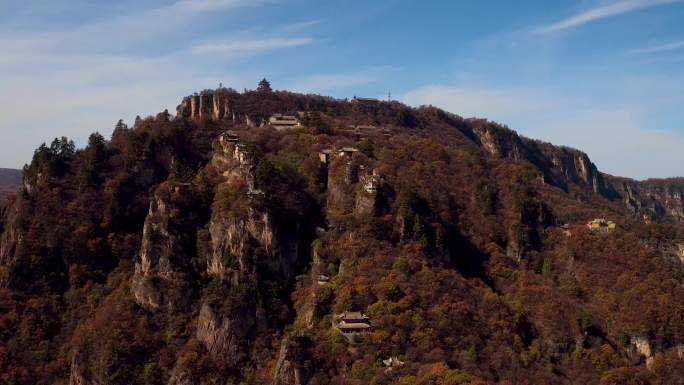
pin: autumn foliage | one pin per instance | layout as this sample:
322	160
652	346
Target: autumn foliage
462	267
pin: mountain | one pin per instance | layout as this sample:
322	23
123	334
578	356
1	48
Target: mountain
280	238
10	180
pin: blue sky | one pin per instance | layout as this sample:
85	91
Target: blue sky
605	76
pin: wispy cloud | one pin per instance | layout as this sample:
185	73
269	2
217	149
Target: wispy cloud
328	82
477	101
78	84
674	46
250	46
602	12
300	26
213	5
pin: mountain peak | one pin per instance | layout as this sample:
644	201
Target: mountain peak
274	236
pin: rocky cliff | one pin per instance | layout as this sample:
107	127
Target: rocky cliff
161	271
10	237
294	362
206	105
565	167
204	249
653	198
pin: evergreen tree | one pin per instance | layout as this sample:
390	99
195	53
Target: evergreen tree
62	148
94	155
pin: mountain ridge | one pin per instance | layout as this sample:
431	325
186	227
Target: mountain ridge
506	143
229	244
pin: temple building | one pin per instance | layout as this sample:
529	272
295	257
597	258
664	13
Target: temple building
352	324
283	122
601	225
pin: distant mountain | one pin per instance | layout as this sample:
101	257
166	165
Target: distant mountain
10	180
276	238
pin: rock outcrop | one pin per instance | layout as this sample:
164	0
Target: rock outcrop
224	335
233	239
563	167
78	375
208	104
644	347
10	236
237	237
497	142
560	166
248	247
352	182
160	271
653	197
182	378
367	194
293	366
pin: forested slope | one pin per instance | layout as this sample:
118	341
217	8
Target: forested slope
211	248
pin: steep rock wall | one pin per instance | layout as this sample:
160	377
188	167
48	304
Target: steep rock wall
209	104
652	197
224	336
10	236
565	167
293	366
161	268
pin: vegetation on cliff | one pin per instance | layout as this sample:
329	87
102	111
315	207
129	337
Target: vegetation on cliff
167	256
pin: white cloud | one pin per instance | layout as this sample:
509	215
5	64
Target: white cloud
328	82
478	101
250	46
300	26
77	78
659	48
602	12
211	5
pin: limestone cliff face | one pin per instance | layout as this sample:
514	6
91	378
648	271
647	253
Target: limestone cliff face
293	366
233	239
10	236
574	166
224	335
248	246
78	375
367	193
644	347
234	162
31	184
560	166
498	142
352	184
564	167
524	227
161	268
653	197
206	105
182	378
215	105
